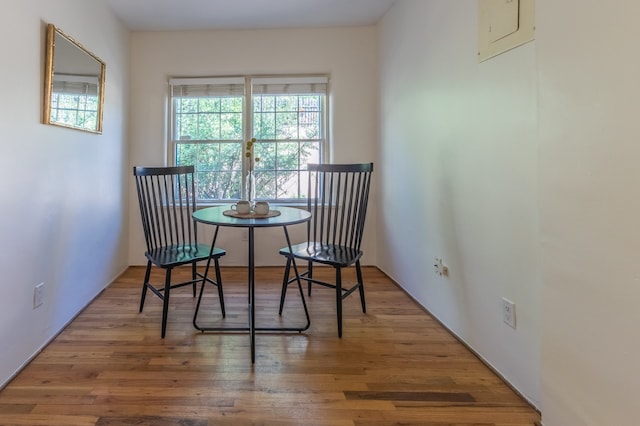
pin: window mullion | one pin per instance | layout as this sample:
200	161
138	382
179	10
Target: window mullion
248	130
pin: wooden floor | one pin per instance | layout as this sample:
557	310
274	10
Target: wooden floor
393	365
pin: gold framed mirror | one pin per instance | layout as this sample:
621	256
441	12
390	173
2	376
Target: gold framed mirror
73	84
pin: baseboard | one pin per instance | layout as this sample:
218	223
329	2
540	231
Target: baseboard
56	334
469	348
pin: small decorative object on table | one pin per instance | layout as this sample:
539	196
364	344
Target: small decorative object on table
261	208
250	179
241	207
250	183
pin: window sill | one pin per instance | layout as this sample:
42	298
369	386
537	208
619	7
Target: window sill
298	204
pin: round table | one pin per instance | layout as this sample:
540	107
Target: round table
216	216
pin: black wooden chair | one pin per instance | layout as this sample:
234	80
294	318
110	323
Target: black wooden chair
167	200
338	198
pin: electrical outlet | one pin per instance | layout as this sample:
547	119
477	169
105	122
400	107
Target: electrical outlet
437	266
440	268
509	312
38	295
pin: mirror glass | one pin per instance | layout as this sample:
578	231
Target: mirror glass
74	84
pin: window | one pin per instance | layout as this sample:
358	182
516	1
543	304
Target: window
212	118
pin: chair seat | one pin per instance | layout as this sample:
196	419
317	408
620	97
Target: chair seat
170	256
329	254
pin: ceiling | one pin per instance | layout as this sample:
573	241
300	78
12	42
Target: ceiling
177	15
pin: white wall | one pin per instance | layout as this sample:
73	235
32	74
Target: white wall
347	54
459	180
63	192
589	211
459	138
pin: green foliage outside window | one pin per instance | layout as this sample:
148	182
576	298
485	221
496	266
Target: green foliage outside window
209	133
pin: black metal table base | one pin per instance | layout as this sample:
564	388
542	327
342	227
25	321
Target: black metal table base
251	327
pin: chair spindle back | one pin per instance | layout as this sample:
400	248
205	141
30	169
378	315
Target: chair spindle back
338	198
167	200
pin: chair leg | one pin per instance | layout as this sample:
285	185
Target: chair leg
339	299
147	274
165	304
219	285
285	284
309	275
361	286
193	277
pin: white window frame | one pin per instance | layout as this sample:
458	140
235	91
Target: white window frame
298	81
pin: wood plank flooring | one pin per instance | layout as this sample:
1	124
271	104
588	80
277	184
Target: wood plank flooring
394	365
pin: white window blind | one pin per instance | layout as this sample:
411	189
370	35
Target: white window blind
75	85
203	87
284	86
